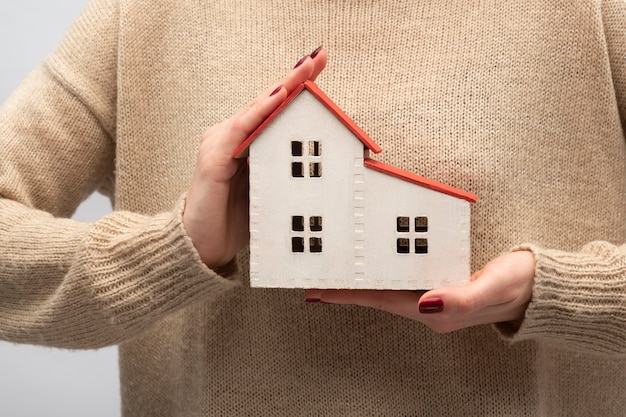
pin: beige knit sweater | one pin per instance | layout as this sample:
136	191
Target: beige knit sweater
520	102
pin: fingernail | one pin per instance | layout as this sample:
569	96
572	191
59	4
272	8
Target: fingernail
312	300
280	87
431	305
301	61
314	53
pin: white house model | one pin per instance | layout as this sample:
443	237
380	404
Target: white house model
325	215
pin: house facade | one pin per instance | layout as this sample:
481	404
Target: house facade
325	215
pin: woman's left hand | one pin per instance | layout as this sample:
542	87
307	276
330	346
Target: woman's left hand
499	292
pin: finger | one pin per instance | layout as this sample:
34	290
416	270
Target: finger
313	295
487	288
476	275
251	117
367	298
303	70
307	68
403	303
300	73
319	57
458	300
451	308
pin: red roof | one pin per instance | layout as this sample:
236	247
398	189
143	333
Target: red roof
242	150
416	179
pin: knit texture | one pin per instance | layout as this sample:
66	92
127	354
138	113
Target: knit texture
519	102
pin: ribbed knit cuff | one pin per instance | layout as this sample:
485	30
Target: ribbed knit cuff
578	300
147	267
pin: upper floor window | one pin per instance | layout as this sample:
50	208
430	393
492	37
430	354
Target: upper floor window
300	159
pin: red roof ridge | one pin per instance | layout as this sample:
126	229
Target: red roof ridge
242	150
419	180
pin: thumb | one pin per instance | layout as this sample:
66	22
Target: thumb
483	290
504	280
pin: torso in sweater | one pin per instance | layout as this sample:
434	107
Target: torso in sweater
511	100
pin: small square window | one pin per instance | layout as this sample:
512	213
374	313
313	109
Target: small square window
315	223
297	170
297	223
403	245
421	224
297	244
315	170
421	245
402	224
315	148
315	244
296	148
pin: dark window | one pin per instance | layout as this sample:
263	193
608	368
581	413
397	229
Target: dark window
421	245
315	223
421	224
315	170
403	246
297	169
315	148
297	244
296	148
297	223
402	224
315	244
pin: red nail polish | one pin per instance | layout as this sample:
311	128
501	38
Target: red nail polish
280	87
301	61
431	305
314	53
312	300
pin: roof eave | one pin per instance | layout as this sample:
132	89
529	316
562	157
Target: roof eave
419	180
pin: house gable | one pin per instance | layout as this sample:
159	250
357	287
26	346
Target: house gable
242	150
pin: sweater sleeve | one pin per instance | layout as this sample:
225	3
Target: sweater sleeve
66	283
578	301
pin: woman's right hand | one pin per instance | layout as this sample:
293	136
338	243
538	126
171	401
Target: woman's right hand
216	210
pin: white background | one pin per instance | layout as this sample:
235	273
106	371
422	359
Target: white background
35	381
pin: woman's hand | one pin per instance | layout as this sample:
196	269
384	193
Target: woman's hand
216	210
499	292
